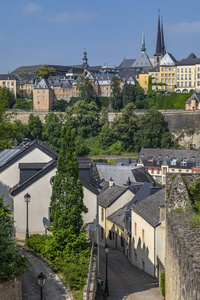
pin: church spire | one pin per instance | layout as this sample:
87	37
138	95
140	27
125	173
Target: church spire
158	42
143	42
85	58
163	51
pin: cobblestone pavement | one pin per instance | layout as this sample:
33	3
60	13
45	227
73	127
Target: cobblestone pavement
54	288
126	281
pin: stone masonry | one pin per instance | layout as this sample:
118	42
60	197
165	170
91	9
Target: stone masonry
182	266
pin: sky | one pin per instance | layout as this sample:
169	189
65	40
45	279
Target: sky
57	31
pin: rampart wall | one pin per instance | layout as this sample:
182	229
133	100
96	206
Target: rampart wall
182	264
11	290
185	125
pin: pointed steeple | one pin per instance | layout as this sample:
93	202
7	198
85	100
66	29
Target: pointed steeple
158	42
163	50
85	58
143	42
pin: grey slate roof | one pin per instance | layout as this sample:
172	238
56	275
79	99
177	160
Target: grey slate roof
126	64
118	217
7	77
167	154
141	175
7	154
195	96
149	208
142	61
110	195
190	60
43	84
168	60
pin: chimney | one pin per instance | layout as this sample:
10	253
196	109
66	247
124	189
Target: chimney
128	181
111	182
15	143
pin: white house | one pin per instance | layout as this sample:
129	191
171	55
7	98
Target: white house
30	170
148	234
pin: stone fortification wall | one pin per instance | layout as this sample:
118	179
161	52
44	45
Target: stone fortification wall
182	264
185	125
11	290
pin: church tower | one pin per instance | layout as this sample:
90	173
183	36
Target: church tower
85	64
160	45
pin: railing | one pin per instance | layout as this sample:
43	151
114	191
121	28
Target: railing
91	284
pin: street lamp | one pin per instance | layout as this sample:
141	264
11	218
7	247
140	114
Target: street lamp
106	249
27	199
41	280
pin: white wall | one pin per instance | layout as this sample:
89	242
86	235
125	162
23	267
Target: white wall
10	176
120	202
144	250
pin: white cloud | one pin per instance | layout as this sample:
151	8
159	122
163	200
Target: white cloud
31	8
66	17
184	28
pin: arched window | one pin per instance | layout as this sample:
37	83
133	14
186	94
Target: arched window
173	161
185	91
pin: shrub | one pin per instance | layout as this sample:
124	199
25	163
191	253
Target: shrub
100	160
37	242
162	283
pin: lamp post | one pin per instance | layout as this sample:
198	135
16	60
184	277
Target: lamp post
41	280
27	199
106	249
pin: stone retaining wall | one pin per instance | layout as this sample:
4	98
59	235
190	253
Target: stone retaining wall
182	265
185	125
11	290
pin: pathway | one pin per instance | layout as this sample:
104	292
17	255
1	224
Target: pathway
54	288
126	281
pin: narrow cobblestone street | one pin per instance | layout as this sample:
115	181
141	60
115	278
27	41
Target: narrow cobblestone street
54	288
126	281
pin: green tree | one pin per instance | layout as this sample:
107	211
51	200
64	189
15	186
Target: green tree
52	130
104	116
21	130
45	72
7	131
106	136
7	96
128	94
153	132
12	263
35	127
23	104
85	118
60	105
81	146
151	99
139	97
67	193
116	97
86	89
126	126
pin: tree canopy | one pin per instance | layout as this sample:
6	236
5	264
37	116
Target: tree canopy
86	89
116	99
45	72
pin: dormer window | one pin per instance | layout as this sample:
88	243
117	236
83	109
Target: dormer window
158	162
184	162
150	159
173	161
198	163
140	161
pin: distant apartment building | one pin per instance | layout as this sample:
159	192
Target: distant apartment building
159	162
10	81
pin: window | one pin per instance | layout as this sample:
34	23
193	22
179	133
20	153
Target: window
43	97
166	75
135	231
38	91
190	77
63	90
184	162
173	74
102	233
170	75
177	70
158	171
12	83
173	69
189	70
181	84
156	75
102	214
38	102
173	161
104	88
162	75
162	80
107	88
150	159
152	171
166	80
38	97
190	84
156	80
162	69
108	94
146	82
166	69
186	76
143	236
170	80
180	171
173	170
43	91
181	76
8	83
164	171
173	80
169	69
181	70
178	77
56	90
185	84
